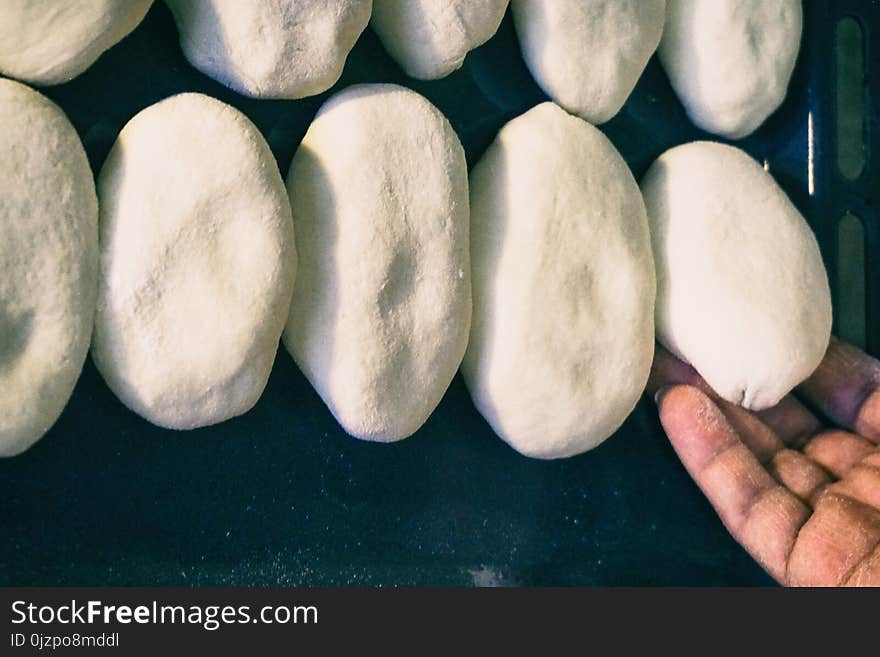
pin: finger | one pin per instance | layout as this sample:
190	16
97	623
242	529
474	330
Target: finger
835	542
762	515
838	451
799	474
757	436
867	573
862	483
667	369
791	421
845	389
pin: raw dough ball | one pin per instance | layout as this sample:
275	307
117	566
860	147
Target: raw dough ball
562	336
742	294
52	41
279	49
430	38
730	61
197	263
381	310
48	264
587	55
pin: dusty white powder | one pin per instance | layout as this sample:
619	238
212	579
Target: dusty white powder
742	293
587	55
562	336
47	42
197	263
48	263
278	49
429	39
730	61
381	310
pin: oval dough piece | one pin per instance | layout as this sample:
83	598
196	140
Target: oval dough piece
587	55
197	263
52	41
730	61
278	49
48	260
742	293
562	336
429	39
381	309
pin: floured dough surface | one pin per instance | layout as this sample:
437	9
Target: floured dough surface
381	310
277	49
48	263
197	263
562	335
429	39
730	61
742	293
47	42
587	55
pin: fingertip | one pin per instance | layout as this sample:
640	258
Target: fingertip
693	423
680	405
683	395
846	389
868	420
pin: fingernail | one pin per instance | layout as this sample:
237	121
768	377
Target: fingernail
660	394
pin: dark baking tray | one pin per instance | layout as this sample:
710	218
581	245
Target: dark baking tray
283	496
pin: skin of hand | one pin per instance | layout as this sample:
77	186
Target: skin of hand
797	485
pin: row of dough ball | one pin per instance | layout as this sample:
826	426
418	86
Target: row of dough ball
537	277
280	49
729	61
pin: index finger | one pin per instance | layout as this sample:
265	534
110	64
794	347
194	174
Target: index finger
846	389
763	516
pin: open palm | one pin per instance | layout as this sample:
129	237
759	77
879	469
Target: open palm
799	490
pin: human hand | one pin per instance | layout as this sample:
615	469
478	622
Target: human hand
801	494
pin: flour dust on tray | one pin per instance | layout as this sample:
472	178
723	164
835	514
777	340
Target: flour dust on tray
429	39
382	304
197	263
47	42
587	55
730	61
278	49
742	293
562	335
48	263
